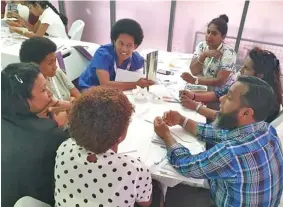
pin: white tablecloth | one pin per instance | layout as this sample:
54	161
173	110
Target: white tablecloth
140	133
138	142
11	44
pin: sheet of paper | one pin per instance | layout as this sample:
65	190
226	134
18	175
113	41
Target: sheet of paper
128	76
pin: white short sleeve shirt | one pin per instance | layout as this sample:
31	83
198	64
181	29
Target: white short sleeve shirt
211	66
56	27
113	180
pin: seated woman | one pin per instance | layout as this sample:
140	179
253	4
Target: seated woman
42	50
29	143
21	13
260	63
213	59
50	21
16	7
126	36
88	170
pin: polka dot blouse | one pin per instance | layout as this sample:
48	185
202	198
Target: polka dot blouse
113	180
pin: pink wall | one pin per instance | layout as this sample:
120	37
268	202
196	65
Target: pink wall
95	14
263	22
55	3
153	17
193	16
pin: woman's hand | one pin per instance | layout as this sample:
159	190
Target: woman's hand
60	107
12	14
61	118
212	53
142	82
186	93
13	29
188	103
172	118
188	78
14	24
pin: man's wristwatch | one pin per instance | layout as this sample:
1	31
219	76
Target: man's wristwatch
196	81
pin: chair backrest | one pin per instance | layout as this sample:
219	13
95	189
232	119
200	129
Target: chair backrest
30	202
76	30
76	63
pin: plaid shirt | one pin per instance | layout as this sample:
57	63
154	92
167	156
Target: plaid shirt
245	167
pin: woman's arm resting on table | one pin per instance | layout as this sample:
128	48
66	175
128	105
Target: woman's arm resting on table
39	33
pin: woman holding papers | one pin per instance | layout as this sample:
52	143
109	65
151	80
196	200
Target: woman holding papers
88	169
109	59
213	59
50	22
260	63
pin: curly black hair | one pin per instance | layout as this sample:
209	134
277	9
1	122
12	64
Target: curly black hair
127	26
99	118
35	49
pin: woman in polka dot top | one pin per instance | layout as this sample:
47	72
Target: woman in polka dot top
88	170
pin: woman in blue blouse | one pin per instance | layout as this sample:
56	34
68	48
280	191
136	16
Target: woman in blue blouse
126	36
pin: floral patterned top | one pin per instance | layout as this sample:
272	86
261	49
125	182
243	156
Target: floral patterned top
211	67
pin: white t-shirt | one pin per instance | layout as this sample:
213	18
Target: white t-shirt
56	27
114	180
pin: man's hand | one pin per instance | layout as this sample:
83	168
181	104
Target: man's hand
162	130
188	103
188	78
142	82
172	118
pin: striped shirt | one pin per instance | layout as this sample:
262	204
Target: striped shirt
245	167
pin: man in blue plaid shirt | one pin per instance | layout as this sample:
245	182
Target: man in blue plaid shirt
245	167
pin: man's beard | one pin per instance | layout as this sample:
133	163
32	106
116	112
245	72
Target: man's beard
226	120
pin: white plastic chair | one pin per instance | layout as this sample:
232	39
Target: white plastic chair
76	30
75	63
30	202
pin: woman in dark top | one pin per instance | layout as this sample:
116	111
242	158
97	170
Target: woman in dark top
29	143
